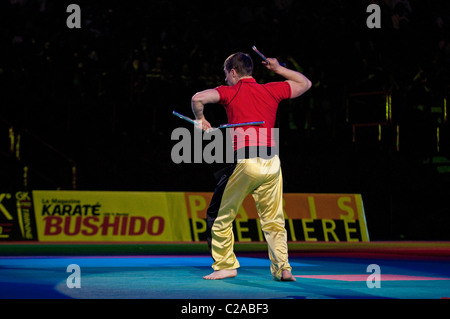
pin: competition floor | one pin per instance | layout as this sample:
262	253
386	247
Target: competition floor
409	270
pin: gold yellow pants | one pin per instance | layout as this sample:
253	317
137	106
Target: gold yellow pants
263	179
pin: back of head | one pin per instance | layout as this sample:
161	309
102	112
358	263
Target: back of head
242	63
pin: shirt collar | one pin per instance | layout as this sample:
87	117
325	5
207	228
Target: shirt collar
247	80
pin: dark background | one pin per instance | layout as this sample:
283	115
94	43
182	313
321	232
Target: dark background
101	98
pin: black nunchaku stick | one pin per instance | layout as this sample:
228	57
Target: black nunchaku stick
263	56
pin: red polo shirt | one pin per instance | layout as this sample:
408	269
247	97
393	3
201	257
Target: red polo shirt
249	101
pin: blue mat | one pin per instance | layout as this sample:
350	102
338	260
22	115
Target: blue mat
180	277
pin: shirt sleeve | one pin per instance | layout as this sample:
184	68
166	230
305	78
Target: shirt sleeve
279	90
224	98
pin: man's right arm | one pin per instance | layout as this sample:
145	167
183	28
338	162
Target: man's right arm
298	82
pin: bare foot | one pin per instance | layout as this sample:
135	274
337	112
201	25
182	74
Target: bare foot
221	274
286	275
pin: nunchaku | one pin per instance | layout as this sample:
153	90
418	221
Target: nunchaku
263	56
188	119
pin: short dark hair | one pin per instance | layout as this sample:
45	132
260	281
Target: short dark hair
242	63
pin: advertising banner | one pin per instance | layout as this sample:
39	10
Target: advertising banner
181	216
309	217
110	216
16	217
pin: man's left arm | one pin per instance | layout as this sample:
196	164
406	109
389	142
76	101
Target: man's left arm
198	102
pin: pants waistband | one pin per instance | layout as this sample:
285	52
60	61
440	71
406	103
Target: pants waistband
266	152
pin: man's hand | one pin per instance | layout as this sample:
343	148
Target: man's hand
203	124
272	64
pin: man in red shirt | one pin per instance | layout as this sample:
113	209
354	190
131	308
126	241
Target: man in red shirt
257	166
